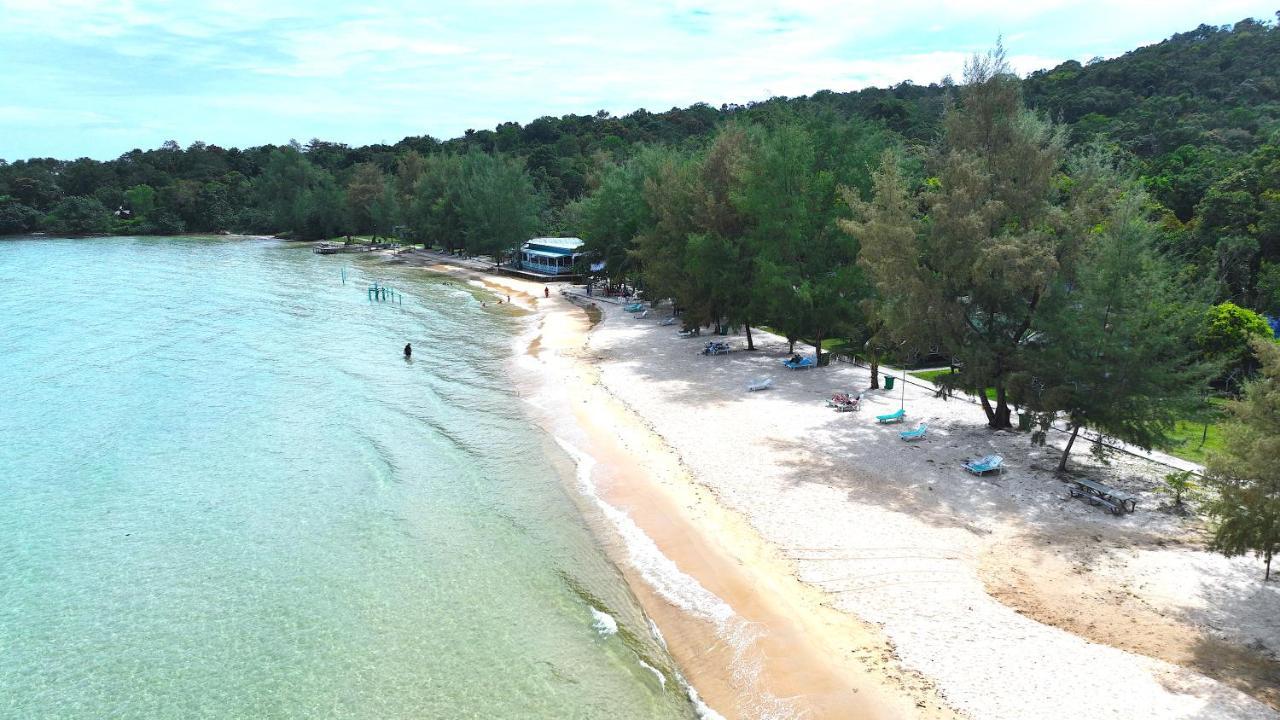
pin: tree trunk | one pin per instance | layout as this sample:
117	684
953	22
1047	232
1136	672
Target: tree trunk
817	350
791	347
1062	463
1268	574
875	371
986	408
1000	419
750	342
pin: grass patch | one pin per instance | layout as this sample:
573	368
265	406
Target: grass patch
1187	436
933	375
830	345
930	375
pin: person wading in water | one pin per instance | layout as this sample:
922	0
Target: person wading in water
408	351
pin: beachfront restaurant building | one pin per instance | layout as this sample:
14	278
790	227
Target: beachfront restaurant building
550	256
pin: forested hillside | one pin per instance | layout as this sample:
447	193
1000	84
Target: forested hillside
1195	117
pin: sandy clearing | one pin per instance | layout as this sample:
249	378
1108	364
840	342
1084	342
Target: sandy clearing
898	535
996	591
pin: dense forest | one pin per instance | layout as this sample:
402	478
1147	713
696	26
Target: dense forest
1194	117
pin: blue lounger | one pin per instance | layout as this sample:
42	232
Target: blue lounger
984	465
805	362
914	434
633	307
893	417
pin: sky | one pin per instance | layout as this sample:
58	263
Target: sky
97	78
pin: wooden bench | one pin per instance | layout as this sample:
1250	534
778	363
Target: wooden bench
1096	500
1098	494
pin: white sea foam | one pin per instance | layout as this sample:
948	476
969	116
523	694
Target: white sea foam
604	623
701	709
680	589
662	679
658	570
657	634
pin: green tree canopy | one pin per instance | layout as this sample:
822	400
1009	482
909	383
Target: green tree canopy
995	237
1112	346
1225	335
806	268
364	189
1245	473
78	215
141	199
500	208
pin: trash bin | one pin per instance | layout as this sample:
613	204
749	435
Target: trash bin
1024	421
888	382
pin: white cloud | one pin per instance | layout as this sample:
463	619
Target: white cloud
413	67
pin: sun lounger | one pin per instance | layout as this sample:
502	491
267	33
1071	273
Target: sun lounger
633	307
804	362
668	321
894	417
642	315
843	402
915	434
716	347
984	465
758	384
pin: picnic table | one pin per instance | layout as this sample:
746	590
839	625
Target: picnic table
1117	501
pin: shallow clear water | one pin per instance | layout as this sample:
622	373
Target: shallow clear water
223	493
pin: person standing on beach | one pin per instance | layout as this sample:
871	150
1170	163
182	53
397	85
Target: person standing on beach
546	291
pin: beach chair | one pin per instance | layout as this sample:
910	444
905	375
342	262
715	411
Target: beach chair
894	417
984	465
915	434
687	333
845	402
668	321
642	315
633	307
838	399
716	347
758	384
803	363
850	404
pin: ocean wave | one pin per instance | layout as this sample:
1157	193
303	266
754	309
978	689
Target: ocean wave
701	709
682	590
658	570
604	623
662	679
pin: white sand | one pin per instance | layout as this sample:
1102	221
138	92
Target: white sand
898	534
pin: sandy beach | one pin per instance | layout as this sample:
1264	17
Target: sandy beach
807	563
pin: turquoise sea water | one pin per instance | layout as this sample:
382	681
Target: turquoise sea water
223	493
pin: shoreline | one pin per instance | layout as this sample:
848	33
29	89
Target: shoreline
883	552
743	629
